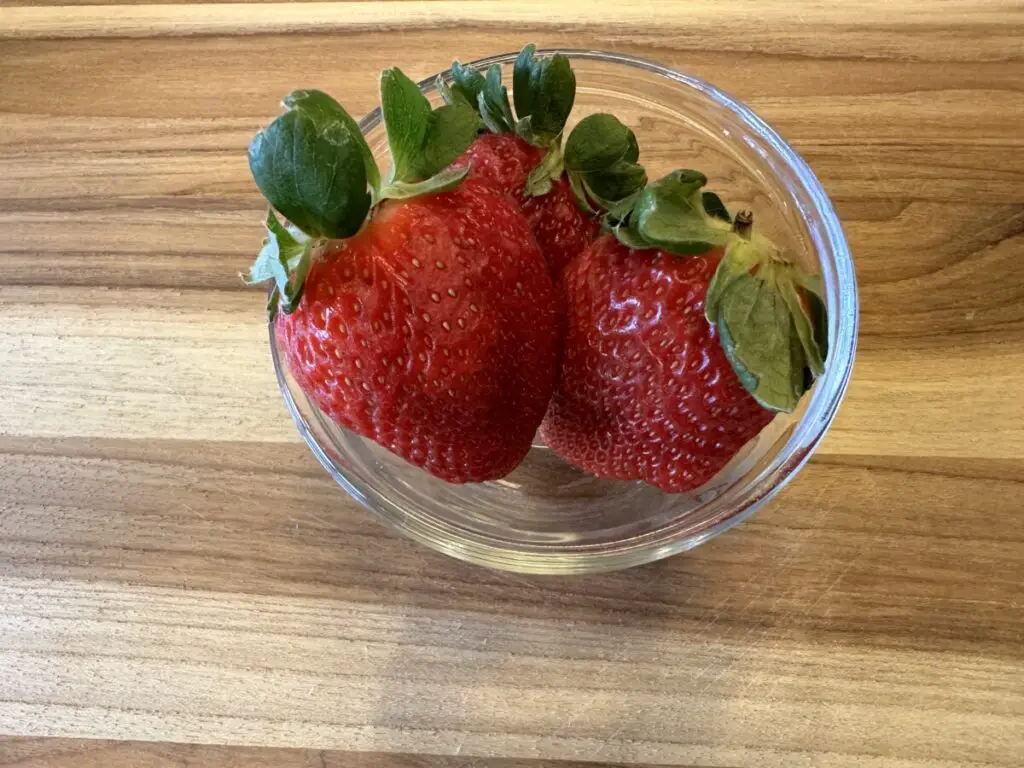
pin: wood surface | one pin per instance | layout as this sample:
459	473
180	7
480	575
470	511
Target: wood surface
79	753
180	580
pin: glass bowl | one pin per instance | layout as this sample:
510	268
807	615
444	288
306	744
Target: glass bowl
547	516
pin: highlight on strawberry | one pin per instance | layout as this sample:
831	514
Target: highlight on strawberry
504	277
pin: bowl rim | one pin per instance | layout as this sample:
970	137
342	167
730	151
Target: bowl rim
662	542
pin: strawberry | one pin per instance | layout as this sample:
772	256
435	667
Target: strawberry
432	333
521	154
428	326
646	392
684	335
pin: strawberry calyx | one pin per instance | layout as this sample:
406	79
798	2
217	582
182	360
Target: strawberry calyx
314	167
423	141
771	320
769	312
484	94
544	90
285	258
600	154
673	214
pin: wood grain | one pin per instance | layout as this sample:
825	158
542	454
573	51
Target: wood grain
984	28
72	753
179	577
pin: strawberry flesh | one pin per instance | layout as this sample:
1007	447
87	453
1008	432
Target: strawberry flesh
562	230
432	332
646	392
503	160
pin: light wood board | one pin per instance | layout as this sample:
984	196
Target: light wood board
180	580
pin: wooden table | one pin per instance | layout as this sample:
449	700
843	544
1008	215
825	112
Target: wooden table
176	568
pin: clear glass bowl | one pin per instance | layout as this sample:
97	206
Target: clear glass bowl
547	516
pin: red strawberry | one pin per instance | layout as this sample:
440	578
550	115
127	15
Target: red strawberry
646	391
432	332
521	153
562	230
685	332
428	325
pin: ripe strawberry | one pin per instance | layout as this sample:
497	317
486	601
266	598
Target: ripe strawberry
646	392
430	326
432	332
685	332
562	230
522	153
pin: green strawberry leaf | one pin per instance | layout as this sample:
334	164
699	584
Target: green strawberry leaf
454	97
813	292
740	257
808	289
542	178
670	215
450	130
748	380
601	161
800	377
622	181
448	96
758	337
492	101
285	258
819	321
273	301
804	326
288	245
484	94
544	90
715	207
422	141
406	114
576	185
619	210
298	283
599	141
522	73
626	232
272	262
311	168
467	84
439	182
327	109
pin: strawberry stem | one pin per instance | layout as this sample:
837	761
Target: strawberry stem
743	224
